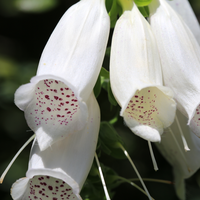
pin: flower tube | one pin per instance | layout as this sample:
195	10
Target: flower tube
184	164
180	58
54	100
183	8
59	171
136	78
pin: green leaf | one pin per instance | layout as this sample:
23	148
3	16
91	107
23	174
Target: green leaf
109	140
147	10
104	73
108	51
105	148
97	87
109	134
142	3
144	10
115	11
111	97
109	5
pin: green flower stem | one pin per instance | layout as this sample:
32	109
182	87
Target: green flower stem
15	157
153	180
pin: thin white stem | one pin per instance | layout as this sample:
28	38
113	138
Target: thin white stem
136	171
13	160
179	148
102	178
182	136
152	157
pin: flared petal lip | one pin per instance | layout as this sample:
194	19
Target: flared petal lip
36	79
56	173
25	179
160	87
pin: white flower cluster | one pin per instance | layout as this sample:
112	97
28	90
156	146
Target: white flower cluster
154	69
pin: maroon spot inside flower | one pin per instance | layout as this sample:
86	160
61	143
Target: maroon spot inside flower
50	188
47	97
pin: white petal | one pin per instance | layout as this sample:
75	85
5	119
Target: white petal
185	164
183	8
149	112
45	188
23	95
54	111
70	159
77	149
19	187
73	55
136	77
180	57
76	48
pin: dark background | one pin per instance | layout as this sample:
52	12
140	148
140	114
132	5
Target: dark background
24	30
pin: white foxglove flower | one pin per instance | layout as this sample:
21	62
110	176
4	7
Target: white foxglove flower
136	78
180	58
183	8
185	164
54	101
59	172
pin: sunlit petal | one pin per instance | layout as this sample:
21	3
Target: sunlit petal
136	78
180	58
55	101
183	8
64	165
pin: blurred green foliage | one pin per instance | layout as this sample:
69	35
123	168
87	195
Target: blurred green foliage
24	30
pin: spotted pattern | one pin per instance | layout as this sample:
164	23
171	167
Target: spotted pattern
48	188
196	118
143	107
53	104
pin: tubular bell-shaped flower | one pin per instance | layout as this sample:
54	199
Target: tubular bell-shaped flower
136	78
59	171
185	164
183	8
180	58
54	101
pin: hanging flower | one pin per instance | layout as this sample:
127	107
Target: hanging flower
136	78
180	58
185	164
183	8
59	172
54	100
